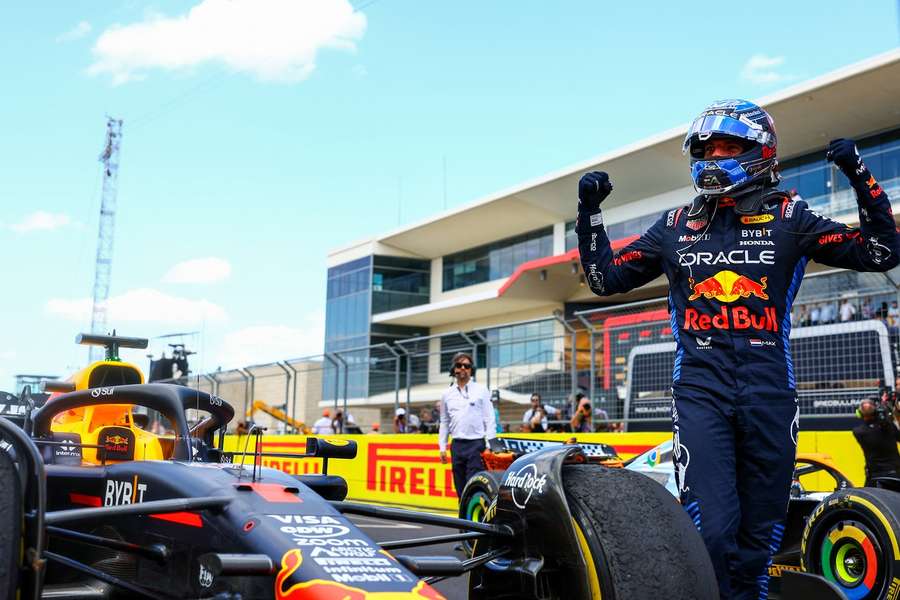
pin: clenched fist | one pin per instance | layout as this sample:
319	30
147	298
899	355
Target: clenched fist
845	156
593	189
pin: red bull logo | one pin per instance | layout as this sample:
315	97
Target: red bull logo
737	317
118	440
728	286
321	589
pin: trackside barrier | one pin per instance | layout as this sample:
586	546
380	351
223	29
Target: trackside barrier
405	470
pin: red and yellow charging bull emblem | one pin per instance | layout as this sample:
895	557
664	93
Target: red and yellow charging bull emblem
728	286
320	589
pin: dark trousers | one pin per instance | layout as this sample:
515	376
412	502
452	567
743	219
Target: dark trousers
466	460
734	460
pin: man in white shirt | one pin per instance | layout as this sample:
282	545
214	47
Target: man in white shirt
467	416
848	311
323	425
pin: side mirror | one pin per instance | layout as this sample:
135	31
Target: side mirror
330	448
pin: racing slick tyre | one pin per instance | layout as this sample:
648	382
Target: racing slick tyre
479	492
851	539
625	520
10	523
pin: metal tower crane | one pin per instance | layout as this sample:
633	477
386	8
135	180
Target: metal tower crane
103	269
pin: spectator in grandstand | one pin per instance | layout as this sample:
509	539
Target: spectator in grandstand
400	423
376	428
826	313
537	421
893	314
848	311
734	399
427	424
867	311
468	417
535	418
324	425
802	316
583	420
877	435
814	314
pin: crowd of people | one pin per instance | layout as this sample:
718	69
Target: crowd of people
825	313
577	416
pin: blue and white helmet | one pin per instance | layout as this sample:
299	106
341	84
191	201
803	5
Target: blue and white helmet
743	121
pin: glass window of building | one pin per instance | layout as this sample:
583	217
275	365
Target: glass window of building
526	344
347	324
496	260
827	191
400	283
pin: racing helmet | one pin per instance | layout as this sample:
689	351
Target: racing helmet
739	120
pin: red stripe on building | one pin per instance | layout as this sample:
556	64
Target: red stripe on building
571	256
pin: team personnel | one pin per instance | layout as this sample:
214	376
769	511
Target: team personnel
734	258
468	417
877	435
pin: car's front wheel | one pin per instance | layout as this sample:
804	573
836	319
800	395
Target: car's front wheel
479	492
636	540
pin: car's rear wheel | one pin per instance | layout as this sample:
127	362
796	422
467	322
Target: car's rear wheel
10	526
479	492
636	539
851	539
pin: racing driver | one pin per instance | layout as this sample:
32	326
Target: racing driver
734	258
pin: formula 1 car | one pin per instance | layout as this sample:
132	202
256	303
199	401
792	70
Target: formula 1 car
109	492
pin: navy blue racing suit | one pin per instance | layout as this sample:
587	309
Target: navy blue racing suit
732	280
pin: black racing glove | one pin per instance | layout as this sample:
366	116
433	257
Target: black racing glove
593	189
845	156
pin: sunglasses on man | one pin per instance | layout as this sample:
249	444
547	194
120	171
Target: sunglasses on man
463	366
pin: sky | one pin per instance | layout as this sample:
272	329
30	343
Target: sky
260	134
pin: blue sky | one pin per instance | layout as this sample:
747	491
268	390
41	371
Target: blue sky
259	134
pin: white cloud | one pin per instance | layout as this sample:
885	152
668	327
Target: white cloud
140	305
199	270
41	221
267	343
276	40
76	33
761	69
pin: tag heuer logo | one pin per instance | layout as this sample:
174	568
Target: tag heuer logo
696	225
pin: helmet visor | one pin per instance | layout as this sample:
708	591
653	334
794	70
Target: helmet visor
707	126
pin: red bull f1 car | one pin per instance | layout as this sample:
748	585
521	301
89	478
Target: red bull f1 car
118	489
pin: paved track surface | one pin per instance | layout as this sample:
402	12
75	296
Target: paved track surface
382	531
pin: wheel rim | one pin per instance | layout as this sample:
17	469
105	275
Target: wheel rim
850	558
478	503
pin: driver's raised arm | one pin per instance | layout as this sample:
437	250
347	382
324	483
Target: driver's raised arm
633	266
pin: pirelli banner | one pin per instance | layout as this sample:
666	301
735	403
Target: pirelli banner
406	470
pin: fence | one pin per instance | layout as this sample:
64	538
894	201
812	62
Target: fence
620	357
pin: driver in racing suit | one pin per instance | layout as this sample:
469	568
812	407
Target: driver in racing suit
734	258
